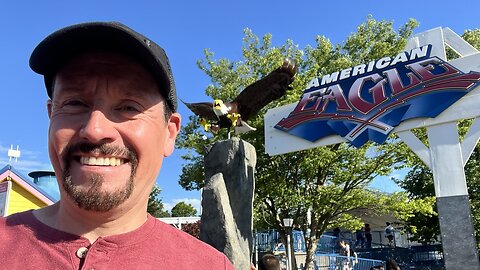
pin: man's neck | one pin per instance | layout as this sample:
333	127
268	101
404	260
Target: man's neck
90	224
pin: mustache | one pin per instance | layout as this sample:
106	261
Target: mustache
101	149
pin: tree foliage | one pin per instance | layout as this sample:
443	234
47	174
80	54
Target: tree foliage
419	184
155	206
182	209
329	182
192	228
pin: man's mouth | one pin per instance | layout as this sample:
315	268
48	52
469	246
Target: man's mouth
101	161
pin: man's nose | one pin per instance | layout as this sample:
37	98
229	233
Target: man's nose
98	128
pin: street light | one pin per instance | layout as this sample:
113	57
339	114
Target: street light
288	223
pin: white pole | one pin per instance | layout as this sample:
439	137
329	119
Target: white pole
256	249
456	226
289	253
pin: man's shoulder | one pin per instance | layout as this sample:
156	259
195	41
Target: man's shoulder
13	225
176	245
13	220
165	230
166	233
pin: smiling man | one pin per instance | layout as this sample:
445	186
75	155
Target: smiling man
113	119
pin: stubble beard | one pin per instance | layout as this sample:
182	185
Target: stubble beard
94	198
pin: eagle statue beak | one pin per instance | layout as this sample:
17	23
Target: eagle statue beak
217	104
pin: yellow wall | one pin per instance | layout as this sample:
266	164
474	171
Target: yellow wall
22	200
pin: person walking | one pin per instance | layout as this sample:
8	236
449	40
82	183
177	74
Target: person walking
360	238
390	234
368	236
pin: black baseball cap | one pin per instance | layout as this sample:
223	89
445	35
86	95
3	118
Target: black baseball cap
59	47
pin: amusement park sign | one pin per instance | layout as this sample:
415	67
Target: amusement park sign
367	101
418	88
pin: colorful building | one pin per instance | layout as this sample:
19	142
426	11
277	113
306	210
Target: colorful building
19	193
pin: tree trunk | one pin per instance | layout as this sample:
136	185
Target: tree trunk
310	248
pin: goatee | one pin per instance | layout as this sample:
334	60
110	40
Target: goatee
95	198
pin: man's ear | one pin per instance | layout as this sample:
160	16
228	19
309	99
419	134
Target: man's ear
49	108
173	128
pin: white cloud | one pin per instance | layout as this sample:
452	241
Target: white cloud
168	206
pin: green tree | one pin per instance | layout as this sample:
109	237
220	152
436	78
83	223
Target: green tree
419	184
182	209
329	182
155	206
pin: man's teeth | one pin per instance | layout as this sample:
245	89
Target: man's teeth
101	161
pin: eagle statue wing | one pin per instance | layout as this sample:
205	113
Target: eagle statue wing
203	110
272	87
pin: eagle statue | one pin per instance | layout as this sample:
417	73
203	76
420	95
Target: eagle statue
219	114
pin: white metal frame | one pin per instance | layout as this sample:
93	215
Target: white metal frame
179	221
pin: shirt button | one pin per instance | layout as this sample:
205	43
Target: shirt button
82	252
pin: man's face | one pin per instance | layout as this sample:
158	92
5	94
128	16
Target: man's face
108	131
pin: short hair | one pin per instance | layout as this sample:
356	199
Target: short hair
269	262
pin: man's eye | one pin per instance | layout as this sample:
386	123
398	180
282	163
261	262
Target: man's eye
131	108
74	103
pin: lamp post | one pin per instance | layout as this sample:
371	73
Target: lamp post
288	223
256	248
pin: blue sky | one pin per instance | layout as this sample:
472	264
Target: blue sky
184	29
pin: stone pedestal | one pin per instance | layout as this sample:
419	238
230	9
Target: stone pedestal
227	200
458	241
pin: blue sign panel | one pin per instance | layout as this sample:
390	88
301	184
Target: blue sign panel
367	101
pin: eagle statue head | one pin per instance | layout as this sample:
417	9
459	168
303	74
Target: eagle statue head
219	107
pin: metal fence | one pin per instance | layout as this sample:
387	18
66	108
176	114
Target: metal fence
427	257
412	257
337	262
270	241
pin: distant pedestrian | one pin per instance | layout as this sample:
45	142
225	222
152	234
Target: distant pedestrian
345	251
368	236
336	232
392	264
269	262
344	248
360	238
334	242
390	234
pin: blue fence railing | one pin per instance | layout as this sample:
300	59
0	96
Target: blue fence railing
418	257
270	241
335	261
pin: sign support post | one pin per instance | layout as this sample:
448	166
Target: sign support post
456	226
